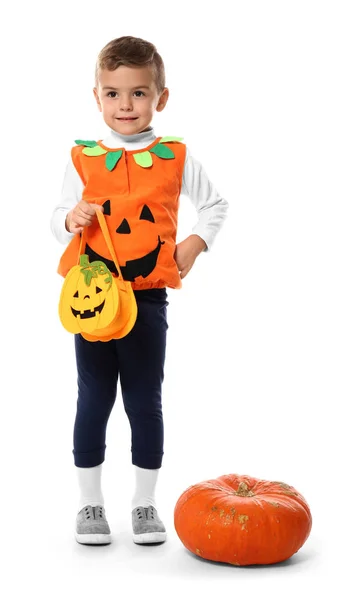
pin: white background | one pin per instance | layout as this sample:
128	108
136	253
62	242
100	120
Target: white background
263	371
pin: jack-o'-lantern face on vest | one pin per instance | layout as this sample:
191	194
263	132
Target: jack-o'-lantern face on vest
140	231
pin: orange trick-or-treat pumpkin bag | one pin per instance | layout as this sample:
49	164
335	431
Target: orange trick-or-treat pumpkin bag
93	302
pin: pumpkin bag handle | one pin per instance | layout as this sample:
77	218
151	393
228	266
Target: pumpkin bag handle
106	235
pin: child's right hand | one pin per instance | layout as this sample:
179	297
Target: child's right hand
81	216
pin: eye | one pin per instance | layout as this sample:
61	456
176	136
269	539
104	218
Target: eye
139	92
111	93
76	295
146	214
98	290
107	208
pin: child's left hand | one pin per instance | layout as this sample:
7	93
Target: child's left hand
187	251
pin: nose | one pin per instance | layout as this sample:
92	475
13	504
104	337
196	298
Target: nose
125	102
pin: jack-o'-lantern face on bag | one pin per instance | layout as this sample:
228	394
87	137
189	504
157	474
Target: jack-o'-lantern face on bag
90	298
139	229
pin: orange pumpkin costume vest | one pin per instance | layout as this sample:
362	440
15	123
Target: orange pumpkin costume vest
139	191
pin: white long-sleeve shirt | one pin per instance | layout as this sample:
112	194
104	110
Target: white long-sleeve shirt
211	207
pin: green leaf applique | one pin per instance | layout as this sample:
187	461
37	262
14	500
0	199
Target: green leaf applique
144	159
170	138
112	159
94	151
162	151
88	143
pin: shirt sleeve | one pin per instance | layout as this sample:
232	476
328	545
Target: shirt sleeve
210	206
71	194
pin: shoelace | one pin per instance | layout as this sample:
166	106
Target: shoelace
149	513
100	512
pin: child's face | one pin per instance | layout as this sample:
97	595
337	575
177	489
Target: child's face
120	93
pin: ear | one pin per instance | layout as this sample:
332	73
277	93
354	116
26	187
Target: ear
162	100
95	93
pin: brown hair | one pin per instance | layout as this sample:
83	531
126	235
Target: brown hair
131	51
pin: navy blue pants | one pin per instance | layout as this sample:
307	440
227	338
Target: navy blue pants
138	360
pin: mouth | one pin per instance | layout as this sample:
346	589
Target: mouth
88	314
138	267
126	119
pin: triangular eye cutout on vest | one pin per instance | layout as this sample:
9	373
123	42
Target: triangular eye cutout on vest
146	214
124	227
107	208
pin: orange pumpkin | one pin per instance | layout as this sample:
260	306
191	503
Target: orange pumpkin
241	520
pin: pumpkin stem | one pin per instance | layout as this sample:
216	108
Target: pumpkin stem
243	490
83	260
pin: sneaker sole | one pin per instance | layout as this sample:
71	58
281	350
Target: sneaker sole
149	538
93	538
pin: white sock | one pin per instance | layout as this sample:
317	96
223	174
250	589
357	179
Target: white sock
144	494
89	480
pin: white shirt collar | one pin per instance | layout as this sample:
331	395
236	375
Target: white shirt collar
134	141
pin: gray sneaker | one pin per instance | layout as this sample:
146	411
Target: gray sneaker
147	526
92	526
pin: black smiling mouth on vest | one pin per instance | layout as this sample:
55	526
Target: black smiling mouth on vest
88	314
138	267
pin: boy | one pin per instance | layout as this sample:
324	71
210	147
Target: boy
135	178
